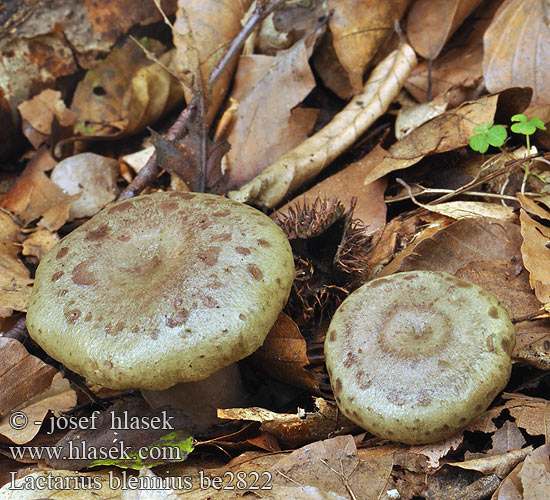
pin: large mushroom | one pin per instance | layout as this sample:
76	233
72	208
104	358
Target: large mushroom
161	289
415	356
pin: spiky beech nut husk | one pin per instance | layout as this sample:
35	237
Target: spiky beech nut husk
161	289
415	356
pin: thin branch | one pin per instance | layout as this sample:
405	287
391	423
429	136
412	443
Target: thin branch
260	13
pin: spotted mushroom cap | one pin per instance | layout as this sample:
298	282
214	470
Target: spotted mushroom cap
415	356
161	289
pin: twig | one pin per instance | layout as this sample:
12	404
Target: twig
260	13
426	191
150	171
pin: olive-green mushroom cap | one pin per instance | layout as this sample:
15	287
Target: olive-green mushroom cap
161	289
415	356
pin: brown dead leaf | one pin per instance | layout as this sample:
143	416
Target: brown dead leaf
398	234
430	25
266	124
515	43
295	429
39	112
126	92
328	67
202	31
334	466
534	249
34	195
111	19
58	397
15	280
283	355
535	474
39	243
347	184
308	159
23	376
501	465
436	451
358	29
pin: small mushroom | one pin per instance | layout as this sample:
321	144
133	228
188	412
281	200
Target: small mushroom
161	289
415	356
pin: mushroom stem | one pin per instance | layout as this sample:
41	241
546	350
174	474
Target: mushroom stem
200	400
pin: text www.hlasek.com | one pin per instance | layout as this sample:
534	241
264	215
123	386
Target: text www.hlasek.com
80	451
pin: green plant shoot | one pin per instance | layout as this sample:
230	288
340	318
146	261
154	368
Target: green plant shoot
527	128
489	135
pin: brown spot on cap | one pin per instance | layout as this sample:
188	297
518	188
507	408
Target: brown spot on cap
99	233
337	386
264	243
209	302
168	206
210	255
62	293
255	271
57	275
493	312
181	195
396	397
221	213
120	207
350	359
424	398
72	316
463	284
62	252
242	316
332	335
177	318
243	250
123	237
222	237
114	330
82	276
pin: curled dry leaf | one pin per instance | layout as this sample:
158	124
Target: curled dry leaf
23	375
500	465
308	159
39	242
126	91
57	397
534	249
34	195
266	124
39	112
336	465
202	32
295	429
358	30
516	48
283	355
430	25
15	278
